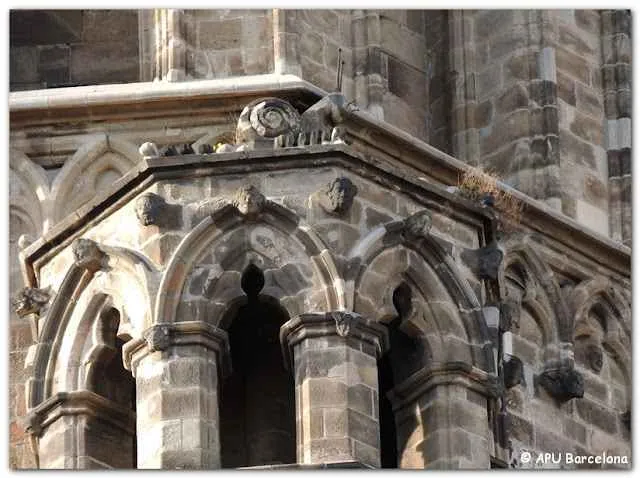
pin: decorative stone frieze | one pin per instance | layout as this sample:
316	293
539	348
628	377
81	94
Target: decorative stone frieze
337	196
88	255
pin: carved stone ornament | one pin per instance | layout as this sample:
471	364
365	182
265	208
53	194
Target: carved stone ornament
157	338
563	383
485	262
417	225
88	255
344	321
149	150
30	300
337	196
267	118
249	201
150	209
594	356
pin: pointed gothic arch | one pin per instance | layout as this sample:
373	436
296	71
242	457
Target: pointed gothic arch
323	289
76	181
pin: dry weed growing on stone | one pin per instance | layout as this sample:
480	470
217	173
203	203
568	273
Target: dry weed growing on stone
481	186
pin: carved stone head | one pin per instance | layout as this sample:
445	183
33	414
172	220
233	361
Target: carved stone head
150	208
87	254
30	300
249	201
418	224
338	195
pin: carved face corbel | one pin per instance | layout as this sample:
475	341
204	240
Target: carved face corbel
88	255
249	201
337	196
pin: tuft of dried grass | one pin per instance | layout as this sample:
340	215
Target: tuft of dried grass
482	186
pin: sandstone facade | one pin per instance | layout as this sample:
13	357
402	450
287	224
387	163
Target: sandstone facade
218	241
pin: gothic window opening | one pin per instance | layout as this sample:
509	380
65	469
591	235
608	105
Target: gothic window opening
257	409
111	380
405	356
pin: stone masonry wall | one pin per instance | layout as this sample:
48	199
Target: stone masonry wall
72	47
538	107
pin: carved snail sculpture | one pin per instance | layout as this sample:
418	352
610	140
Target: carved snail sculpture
267	118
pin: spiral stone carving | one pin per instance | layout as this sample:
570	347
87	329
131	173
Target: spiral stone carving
265	119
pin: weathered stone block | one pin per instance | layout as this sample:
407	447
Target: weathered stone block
588	101
587	129
575	430
325	392
573	65
597	415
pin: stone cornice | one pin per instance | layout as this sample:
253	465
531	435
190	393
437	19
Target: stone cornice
160	337
152	99
339	323
80	402
448	373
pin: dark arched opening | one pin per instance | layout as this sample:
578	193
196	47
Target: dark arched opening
257	409
406	355
112	381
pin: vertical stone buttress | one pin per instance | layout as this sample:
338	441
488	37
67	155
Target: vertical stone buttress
177	369
616	85
368	62
334	359
162	45
285	43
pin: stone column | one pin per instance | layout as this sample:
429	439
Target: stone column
177	369
81	430
334	357
442	419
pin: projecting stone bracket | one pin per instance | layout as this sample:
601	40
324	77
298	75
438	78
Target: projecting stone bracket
88	255
337	196
563	383
153	210
31	303
485	262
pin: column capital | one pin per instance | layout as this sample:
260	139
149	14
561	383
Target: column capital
346	324
160	337
78	402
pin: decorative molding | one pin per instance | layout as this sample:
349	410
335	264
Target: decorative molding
160	337
80	402
345	324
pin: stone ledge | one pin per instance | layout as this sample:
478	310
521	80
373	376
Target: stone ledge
80	402
444	374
